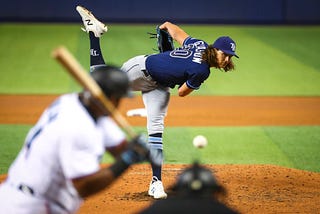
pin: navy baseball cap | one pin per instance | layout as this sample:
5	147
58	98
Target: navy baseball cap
226	44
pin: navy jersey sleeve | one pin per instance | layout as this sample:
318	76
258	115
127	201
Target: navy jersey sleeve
196	78
187	41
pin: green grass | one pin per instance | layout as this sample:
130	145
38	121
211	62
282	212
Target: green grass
273	60
27	66
11	141
294	147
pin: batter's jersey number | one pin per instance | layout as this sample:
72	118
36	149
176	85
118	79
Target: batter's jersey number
36	131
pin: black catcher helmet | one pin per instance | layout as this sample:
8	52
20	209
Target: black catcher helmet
197	180
113	81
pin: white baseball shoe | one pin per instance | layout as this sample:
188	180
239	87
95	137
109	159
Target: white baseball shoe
91	23
156	189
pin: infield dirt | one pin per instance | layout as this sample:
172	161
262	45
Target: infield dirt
251	188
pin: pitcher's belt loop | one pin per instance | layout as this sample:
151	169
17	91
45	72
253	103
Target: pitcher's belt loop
143	66
145	72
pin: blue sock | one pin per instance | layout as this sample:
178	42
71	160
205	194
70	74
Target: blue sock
96	57
155	142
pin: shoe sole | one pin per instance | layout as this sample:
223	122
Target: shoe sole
88	15
161	197
84	11
164	196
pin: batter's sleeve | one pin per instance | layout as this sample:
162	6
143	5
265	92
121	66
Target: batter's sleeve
112	134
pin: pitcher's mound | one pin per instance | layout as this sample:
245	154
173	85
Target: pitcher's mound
251	189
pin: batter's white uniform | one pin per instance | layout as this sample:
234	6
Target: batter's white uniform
66	143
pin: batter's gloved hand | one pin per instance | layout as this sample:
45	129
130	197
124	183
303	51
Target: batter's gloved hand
164	40
139	151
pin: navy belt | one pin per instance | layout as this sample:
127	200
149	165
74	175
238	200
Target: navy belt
146	73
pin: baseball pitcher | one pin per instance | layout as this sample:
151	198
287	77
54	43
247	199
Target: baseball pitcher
187	67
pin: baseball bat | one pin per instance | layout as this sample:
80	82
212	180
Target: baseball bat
68	61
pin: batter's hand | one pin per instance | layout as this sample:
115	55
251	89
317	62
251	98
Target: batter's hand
139	151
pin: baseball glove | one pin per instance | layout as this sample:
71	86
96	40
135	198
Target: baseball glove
164	40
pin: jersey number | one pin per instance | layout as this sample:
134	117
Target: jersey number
39	128
183	53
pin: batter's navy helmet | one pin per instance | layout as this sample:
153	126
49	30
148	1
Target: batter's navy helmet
113	81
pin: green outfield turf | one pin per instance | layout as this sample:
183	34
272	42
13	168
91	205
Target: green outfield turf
273	60
11	141
279	61
295	147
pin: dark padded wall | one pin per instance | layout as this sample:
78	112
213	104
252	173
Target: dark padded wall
187	11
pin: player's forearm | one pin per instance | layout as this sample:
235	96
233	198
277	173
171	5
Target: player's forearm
117	150
176	32
92	184
184	90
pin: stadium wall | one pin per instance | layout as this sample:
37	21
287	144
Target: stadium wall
183	11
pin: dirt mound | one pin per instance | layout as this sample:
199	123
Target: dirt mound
251	189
